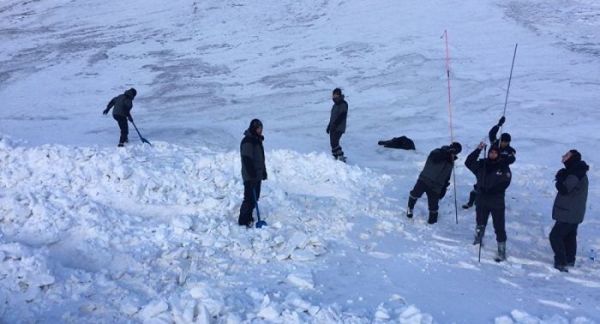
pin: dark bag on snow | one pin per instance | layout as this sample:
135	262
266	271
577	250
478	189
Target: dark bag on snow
402	142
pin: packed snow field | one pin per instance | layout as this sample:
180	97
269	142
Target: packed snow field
92	233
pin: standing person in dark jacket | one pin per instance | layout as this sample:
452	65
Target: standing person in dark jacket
122	112
493	178
507	154
568	209
434	179
253	170
337	123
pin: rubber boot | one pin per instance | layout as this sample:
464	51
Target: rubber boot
501	252
479	231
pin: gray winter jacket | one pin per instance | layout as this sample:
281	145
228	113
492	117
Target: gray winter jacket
437	170
337	120
253	157
122	104
572	185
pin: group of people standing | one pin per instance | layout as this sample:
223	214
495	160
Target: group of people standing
492	173
493	177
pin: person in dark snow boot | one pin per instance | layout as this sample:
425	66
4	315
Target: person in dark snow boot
254	171
493	178
122	112
568	209
434	179
337	123
507	154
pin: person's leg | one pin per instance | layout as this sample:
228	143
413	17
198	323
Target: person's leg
334	140
248	204
472	196
571	245
124	127
498	218
433	199
415	194
557	242
482	214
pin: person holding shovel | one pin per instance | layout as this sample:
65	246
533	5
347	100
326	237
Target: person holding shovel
253	170
122	105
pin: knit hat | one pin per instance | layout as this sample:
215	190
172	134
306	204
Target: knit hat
505	137
456	147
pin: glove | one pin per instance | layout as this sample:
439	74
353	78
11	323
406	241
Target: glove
327	130
130	118
264	177
561	175
105	112
501	121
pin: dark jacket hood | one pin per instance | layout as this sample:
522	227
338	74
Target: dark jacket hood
578	168
252	134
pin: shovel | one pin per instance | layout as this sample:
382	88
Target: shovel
260	223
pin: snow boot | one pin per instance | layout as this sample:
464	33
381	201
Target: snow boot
501	252
409	213
561	268
479	231
433	216
469	204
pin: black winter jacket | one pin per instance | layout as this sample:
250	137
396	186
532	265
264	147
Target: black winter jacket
437	170
122	104
339	114
493	178
253	157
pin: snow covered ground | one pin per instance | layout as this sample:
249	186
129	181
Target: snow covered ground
89	233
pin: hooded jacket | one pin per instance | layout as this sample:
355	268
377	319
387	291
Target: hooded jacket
571	198
253	156
438	168
122	103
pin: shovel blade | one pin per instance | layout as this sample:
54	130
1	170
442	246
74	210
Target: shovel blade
261	223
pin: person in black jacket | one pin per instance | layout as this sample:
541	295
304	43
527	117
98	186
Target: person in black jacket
569	209
337	123
122	112
493	178
434	179
253	170
507	154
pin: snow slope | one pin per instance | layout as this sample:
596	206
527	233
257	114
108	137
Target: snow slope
89	233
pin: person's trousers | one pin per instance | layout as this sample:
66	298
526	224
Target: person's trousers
498	219
563	239
250	189
334	140
124	126
433	197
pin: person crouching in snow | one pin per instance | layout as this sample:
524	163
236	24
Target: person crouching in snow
493	178
122	112
568	209
434	179
253	170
